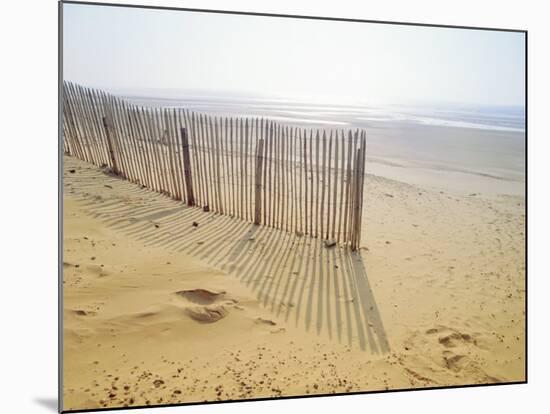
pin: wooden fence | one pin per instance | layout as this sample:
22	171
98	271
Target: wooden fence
308	181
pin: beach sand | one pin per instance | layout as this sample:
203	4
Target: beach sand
163	303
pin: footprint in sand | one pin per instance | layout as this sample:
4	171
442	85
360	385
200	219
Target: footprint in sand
208	308
451	338
81	312
207	314
201	296
455	339
455	344
456	362
265	321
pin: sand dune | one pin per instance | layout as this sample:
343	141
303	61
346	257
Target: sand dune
164	303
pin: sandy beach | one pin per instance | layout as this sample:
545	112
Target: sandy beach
164	303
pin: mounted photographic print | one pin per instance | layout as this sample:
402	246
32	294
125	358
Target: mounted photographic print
263	206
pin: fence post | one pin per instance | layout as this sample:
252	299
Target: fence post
361	188
258	179
187	167
357	183
107	125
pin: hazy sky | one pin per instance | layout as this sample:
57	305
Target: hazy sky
138	49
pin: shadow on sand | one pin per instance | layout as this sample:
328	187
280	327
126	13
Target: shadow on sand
325	291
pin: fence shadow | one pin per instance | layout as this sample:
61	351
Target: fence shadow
323	290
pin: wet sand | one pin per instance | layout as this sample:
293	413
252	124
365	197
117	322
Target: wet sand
164	303
461	160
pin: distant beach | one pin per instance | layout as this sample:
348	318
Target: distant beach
465	149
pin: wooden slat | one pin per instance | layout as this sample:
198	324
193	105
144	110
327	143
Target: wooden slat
323	186
146	131
100	111
119	153
252	146
118	133
362	187
258	181
267	178
283	192
171	157
104	111
342	184
351	209
329	187
210	143
189	128
131	143
267	138
170	135
217	154
240	142
207	156
272	140
157	134
109	133
198	155
345	208
141	129
204	161
335	192
187	167
294	171
357	202
317	181
151	129
176	145
303	136
178	124
133	135
233	171
277	181
289	182
119	149
246	161
225	170
311	186
213	160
